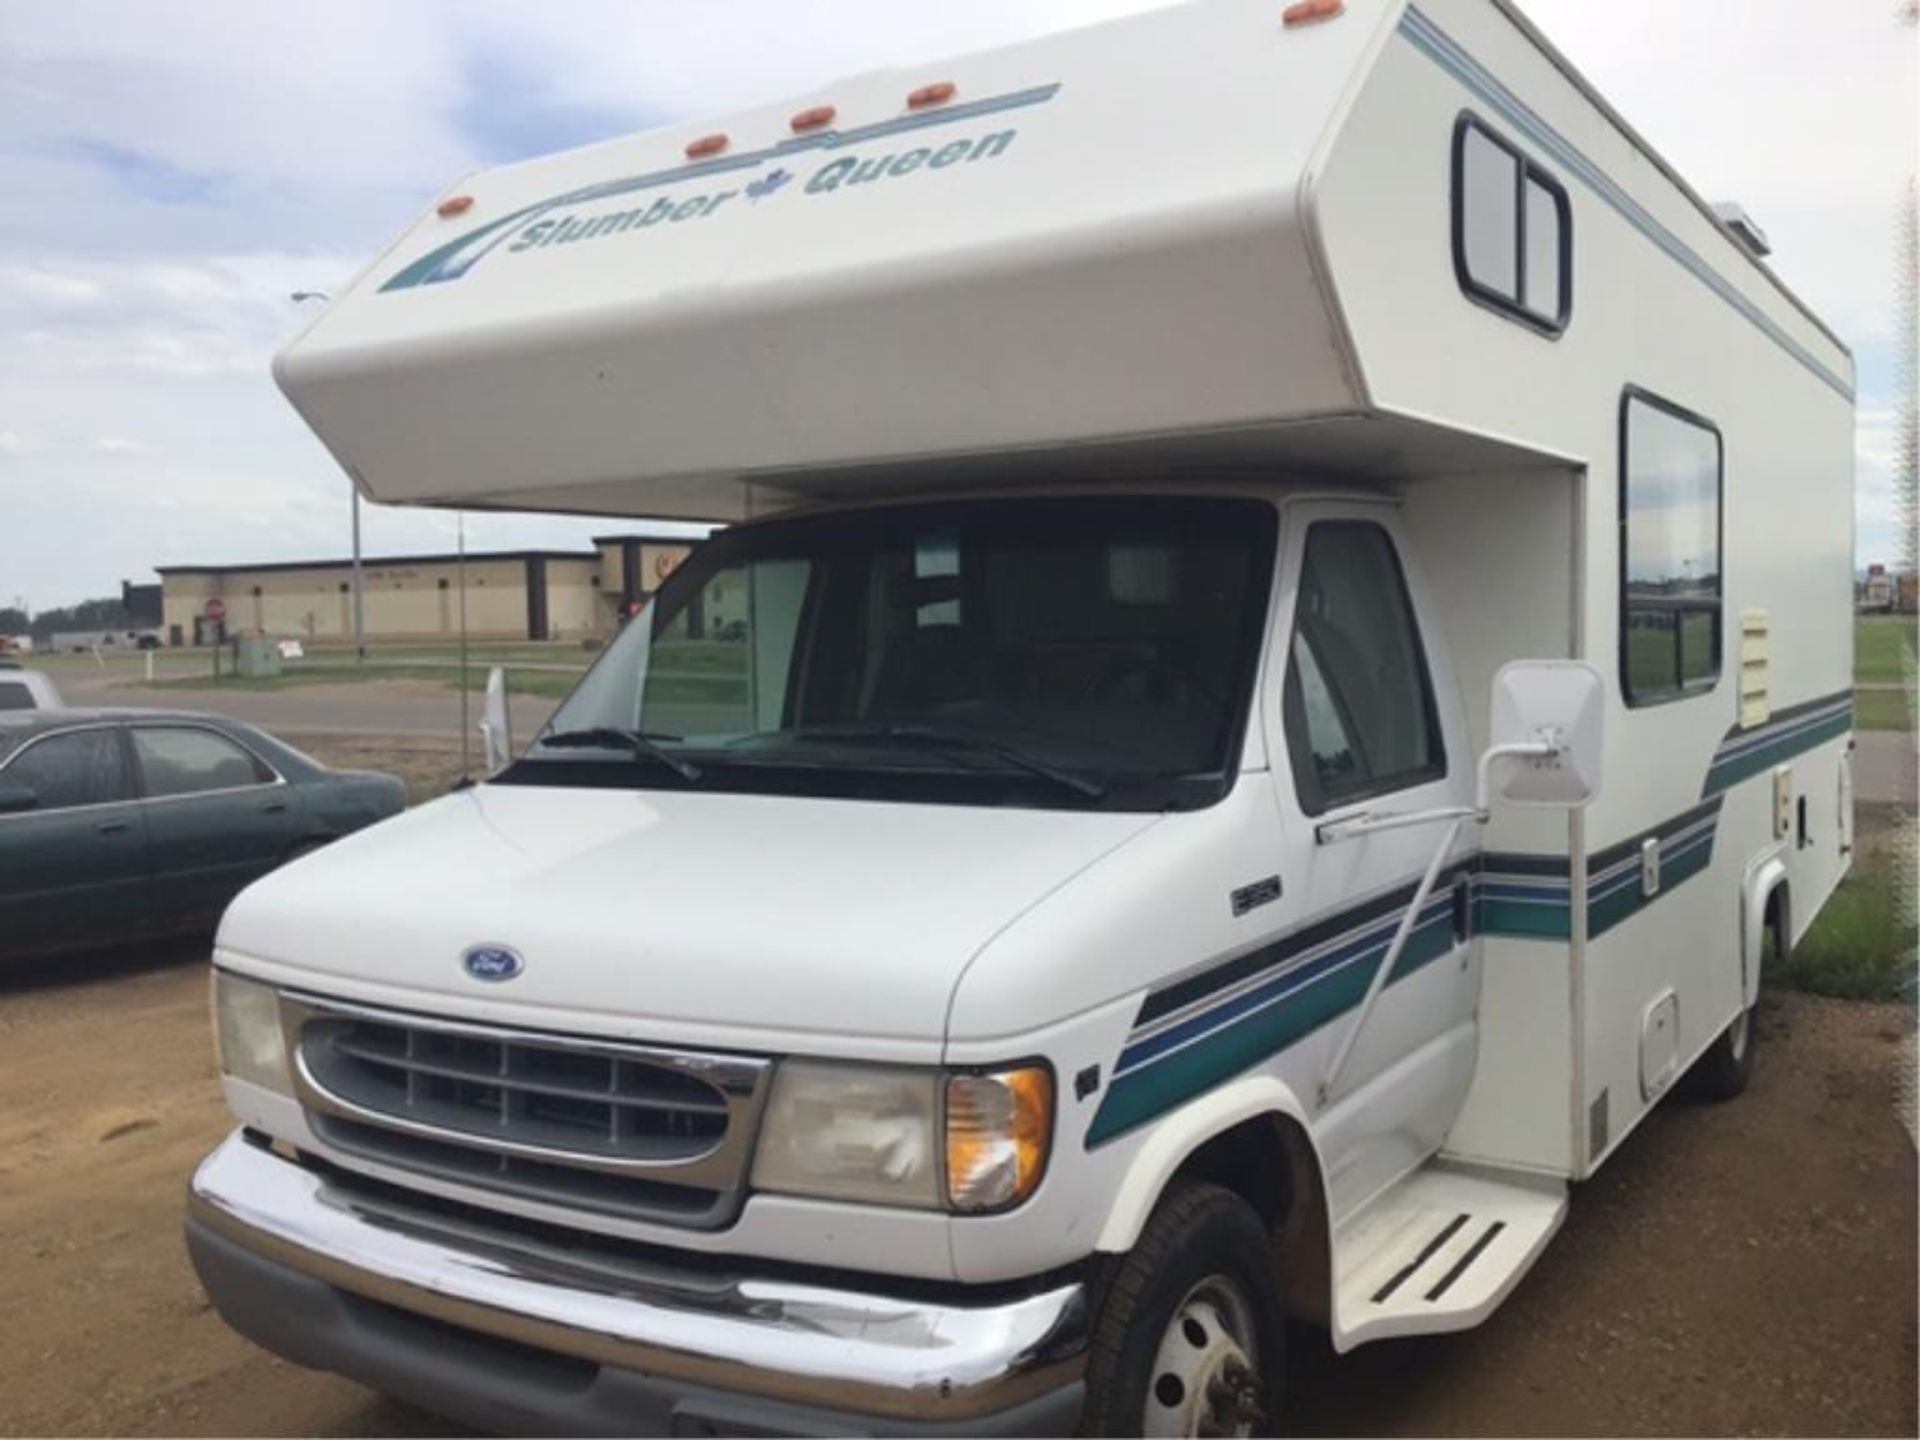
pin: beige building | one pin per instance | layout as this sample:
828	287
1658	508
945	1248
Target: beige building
510	595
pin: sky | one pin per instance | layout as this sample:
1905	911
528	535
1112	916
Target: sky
176	168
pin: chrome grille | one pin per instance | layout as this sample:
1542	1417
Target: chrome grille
623	1129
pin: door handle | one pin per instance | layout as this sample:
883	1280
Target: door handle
110	827
273	807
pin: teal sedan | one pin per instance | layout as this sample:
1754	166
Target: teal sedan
124	825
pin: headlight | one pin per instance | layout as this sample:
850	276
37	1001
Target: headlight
851	1132
999	1130
879	1135
246	1022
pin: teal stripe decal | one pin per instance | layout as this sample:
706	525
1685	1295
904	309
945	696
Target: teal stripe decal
455	258
1787	733
1437	46
1321	994
1203	1029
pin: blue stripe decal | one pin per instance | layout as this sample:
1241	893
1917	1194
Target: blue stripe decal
1441	49
455	258
1291	978
1790	732
1205	1027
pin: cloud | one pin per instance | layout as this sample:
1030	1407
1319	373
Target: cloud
1804	116
1880	517
175	168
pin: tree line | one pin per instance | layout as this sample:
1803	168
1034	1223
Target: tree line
104	614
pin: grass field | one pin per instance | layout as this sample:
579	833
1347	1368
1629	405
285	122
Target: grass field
1883	649
700	673
1862	946
1883	709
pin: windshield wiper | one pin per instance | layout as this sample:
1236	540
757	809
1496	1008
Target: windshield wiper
610	737
935	737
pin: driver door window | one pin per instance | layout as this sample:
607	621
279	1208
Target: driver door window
1360	715
86	767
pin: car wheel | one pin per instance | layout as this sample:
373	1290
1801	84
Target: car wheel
1188	1338
1726	1068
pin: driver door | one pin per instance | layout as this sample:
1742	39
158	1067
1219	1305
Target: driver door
1370	725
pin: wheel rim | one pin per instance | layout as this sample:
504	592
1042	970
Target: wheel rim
1205	1380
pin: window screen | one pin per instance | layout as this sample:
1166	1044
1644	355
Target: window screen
82	768
1512	230
187	762
1670	603
1359	704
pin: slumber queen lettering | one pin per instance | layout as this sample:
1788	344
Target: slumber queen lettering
853	171
680	209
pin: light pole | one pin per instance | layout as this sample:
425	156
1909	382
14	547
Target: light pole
300	297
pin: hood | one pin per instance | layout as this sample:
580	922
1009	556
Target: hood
669	916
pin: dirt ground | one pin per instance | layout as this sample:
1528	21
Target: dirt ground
1747	1268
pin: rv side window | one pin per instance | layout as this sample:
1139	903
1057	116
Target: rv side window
1360	716
1512	230
1670	552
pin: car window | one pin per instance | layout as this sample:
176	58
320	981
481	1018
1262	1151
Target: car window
1360	711
187	762
83	767
14	695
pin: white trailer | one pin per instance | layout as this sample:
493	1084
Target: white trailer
1055	889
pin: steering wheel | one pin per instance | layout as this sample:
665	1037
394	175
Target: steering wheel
1160	672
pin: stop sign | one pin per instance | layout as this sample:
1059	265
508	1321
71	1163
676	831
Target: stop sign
216	610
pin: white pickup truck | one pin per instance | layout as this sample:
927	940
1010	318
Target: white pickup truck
1280	660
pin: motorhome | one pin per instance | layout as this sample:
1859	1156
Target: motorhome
1278	664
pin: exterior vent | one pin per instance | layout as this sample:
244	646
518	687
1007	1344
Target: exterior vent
1756	704
1736	219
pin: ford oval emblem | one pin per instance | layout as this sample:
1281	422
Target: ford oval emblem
492	963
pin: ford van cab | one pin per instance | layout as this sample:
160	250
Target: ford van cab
1278	661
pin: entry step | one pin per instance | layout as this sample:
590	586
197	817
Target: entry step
1439	1251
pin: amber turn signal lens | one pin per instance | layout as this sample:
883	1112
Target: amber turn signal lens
707	145
458	205
999	1130
816	118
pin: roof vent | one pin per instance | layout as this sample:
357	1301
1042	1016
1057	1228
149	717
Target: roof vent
1736	219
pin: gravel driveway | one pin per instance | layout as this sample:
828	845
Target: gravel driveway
1746	1268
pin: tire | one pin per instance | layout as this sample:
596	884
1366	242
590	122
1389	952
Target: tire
1726	1069
1190	1325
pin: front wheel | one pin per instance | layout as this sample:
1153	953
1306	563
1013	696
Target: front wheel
1189	1336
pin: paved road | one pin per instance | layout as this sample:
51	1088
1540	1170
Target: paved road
1884	768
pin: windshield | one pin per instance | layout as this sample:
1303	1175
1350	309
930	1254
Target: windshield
1094	653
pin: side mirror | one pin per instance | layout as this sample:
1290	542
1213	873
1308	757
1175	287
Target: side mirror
496	724
1549	725
16	798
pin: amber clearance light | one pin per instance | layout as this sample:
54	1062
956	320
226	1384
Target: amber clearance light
1308	12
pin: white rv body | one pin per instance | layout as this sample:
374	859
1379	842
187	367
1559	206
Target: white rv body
1092	275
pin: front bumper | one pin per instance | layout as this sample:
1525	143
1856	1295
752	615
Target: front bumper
521	1332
